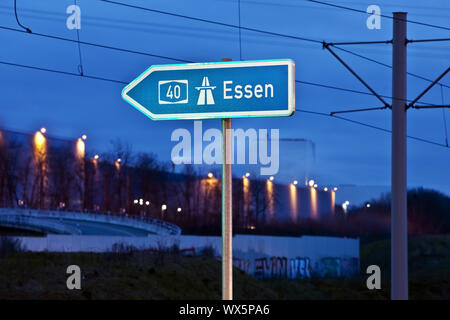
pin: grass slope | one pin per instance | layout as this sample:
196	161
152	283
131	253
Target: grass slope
170	276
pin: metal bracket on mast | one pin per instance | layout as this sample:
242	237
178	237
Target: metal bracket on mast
385	104
411	104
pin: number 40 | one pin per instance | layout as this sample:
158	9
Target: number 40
175	93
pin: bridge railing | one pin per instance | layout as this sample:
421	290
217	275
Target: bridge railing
150	225
36	224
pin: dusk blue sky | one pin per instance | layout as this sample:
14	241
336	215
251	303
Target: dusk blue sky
346	153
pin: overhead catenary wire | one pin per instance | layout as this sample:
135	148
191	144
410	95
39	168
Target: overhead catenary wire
61	72
240	34
386	65
232	26
168	58
444	117
381	15
80	66
288	36
17	18
297	109
181	60
188	61
369	126
99	45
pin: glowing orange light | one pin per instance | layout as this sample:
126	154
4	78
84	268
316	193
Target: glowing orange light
246	187
39	141
270	197
313	198
333	201
293	202
80	148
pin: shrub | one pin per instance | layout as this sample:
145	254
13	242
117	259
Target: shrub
207	251
9	246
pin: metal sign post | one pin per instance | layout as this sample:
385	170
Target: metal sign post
227	211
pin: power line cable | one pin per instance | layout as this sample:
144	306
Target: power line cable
17	19
369	126
215	22
352	90
240	36
192	18
385	65
166	57
443	116
61	72
97	45
80	66
381	15
232	26
298	110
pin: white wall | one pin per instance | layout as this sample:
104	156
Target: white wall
247	247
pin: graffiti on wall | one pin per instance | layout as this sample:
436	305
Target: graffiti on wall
331	267
243	264
282	268
301	267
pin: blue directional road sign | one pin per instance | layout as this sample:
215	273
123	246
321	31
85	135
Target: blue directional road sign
231	89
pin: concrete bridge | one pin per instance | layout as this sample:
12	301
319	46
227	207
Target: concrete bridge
77	223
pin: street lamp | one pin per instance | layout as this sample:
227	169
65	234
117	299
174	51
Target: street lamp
271	178
295	182
43	130
96	157
210	175
325	189
84	137
247	174
311	183
179	209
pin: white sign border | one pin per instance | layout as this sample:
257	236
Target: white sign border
217	115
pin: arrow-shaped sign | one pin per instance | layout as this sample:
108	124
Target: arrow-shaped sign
214	90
